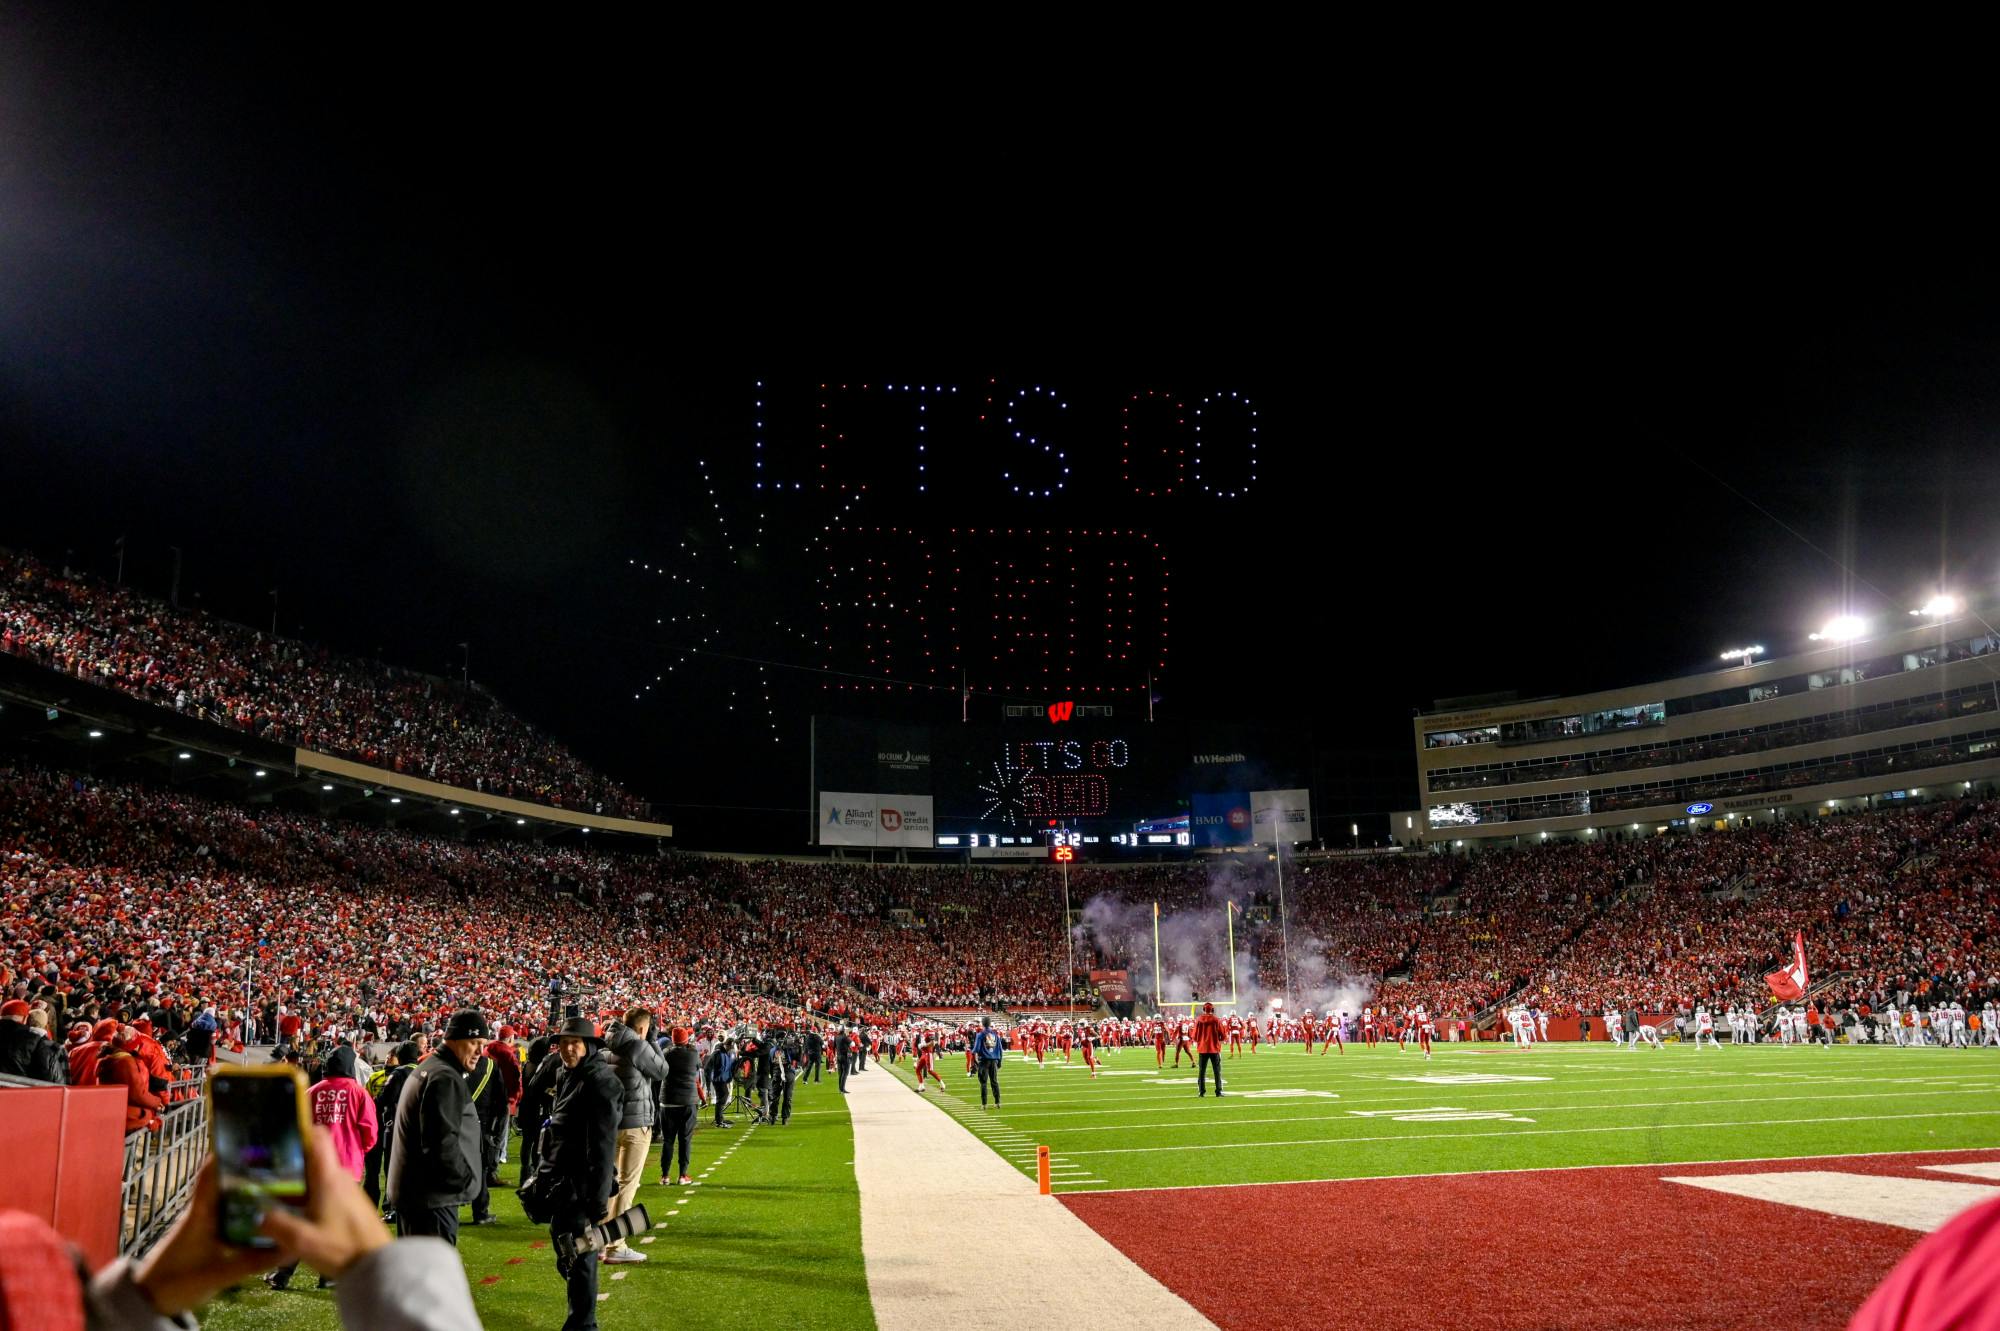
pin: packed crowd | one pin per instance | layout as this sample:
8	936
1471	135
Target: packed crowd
289	692
128	900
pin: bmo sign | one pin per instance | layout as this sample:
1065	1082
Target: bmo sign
850	819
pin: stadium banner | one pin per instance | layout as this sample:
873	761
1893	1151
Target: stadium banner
847	818
1221	820
1113	986
1285	814
905	820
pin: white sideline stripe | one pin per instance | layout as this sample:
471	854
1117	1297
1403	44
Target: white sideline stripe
1598	1086
1524	1109
1547	1169
1976	1168
917	1224
1552	1132
1921	1204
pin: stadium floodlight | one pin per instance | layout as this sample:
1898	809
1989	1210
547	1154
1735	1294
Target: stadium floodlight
1841	628
395	799
520	822
97	734
1941	606
326	788
454	813
1747	655
261	772
185	756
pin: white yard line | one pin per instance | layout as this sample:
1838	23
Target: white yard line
1517	1109
1552	1169
934	1197
1546	1132
1470	1091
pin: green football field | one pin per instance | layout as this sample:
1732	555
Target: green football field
774	1224
1292	1116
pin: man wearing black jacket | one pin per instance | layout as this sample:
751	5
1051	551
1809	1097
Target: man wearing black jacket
403	1060
815	1051
843	1052
679	1099
434	1162
580	1156
537	1093
24	1051
489	1101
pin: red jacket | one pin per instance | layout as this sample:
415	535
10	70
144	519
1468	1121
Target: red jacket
508	1064
1208	1034
119	1067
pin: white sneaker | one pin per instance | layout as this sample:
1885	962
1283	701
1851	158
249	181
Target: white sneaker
619	1256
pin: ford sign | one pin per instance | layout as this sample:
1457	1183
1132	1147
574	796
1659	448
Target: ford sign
1697	810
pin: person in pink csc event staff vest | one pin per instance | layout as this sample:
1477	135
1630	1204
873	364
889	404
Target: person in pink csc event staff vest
340	1105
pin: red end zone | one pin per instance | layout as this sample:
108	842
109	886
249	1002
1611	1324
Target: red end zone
1531	1251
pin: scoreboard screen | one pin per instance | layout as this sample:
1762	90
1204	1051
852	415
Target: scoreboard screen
996	780
1010	780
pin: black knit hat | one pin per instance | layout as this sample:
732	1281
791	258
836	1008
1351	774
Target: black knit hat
468	1024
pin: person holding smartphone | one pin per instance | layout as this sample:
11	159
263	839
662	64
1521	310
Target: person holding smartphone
383	1285
434	1156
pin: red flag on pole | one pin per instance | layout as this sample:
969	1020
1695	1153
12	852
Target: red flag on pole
1790	983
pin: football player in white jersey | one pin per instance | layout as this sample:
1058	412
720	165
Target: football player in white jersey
1957	1024
1989	1020
1892	1021
1647	1035
1781	1024
1614	1025
1704	1024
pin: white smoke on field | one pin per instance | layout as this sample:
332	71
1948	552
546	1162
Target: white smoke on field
1194	951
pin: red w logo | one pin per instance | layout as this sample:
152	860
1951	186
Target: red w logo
1059	711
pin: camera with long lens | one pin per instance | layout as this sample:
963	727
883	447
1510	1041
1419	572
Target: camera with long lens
596	1238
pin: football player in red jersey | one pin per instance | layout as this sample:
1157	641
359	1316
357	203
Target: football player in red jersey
926	1051
1252	1023
1160	1041
1235	1035
1183	1033
1089	1034
1065	1040
1334	1036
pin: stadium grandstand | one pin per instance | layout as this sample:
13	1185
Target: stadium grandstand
1867	718
149	891
265	704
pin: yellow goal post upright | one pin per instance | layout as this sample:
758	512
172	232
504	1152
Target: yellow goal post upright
1229	912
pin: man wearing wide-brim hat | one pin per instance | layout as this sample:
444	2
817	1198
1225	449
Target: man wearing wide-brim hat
434	1153
579	1148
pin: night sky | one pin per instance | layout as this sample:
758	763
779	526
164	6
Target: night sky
433	332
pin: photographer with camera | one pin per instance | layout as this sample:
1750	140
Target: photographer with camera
578	1172
639	1069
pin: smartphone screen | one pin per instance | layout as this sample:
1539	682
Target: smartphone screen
260	1157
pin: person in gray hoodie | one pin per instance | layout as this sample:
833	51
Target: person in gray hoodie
640	1069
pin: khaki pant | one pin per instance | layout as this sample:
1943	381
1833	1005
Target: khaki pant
632	1146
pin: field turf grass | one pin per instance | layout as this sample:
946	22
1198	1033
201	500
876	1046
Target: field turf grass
1291	1116
777	1224
1565	1187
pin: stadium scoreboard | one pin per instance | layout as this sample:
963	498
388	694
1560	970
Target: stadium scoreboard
995	785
